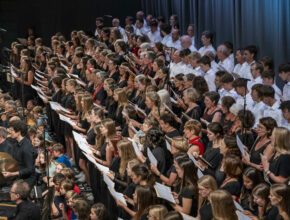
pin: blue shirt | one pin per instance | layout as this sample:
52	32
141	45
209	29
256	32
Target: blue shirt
64	159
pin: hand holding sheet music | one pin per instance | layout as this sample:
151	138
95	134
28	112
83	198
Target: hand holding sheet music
241	146
151	157
164	192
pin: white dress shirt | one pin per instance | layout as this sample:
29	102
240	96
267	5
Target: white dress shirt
257	110
154	37
205	49
245	71
274	112
175	68
141	31
278	93
174	44
214	65
257	80
209	76
286	92
223	92
227	64
166	39
249	101
237	68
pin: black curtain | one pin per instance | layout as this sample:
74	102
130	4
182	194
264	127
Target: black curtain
51	16
265	23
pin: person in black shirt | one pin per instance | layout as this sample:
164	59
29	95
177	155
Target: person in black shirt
22	152
26	210
167	125
5	146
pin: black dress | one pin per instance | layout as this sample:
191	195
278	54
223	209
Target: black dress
190	192
205	211
279	166
233	187
70	104
214	157
255	155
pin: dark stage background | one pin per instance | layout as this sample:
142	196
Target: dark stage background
265	23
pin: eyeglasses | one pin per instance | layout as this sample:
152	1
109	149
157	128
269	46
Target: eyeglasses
11	192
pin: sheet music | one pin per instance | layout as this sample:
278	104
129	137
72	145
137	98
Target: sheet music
38	75
240	144
56	106
64	66
117	195
151	157
13	73
242	216
238	206
108	181
204	121
67	120
81	82
168	145
173	101
164	192
135	146
100	167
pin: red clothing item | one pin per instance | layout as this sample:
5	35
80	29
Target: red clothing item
77	189
196	141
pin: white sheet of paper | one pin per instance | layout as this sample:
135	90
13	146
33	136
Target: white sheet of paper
64	66
238	206
168	145
39	75
67	120
173	100
117	195
13	73
56	106
108	181
199	173
81	82
151	157
240	144
135	146
164	192
242	216
100	167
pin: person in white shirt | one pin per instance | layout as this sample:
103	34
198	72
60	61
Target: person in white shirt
176	65
116	24
285	107
256	70
174	40
240	61
225	62
258	106
284	73
140	28
268	78
190	32
99	26
213	64
240	85
206	39
129	21
209	74
230	48
272	105
187	68
187	43
154	34
249	54
194	58
227	88
165	30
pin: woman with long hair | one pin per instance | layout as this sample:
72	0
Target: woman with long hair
187	194
206	185
277	169
280	197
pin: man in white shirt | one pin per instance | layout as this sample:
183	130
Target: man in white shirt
176	65
227	88
209	74
272	105
225	62
116	24
249	54
285	107
174	40
268	78
187	68
165	30
190	32
240	61
186	43
284	73
206	39
240	85
256	70
194	58
140	29
258	106
154	34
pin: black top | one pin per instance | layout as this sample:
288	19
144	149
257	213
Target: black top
272	213
159	154
233	187
189	192
214	157
255	155
172	134
5	147
27	210
23	153
280	165
205	211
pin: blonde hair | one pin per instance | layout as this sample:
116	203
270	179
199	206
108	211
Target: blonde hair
122	96
158	211
180	143
192	94
207	182
281	139
193	125
223	207
126	153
